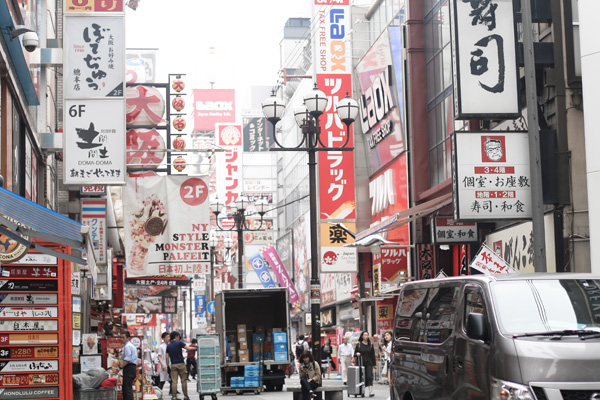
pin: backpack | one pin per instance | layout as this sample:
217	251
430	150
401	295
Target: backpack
299	349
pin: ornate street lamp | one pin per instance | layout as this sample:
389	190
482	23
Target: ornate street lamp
307	118
238	212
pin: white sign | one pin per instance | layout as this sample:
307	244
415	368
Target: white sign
28	325
488	262
491	176
167	225
515	245
29	366
24	298
76	338
28	312
76	283
89	362
94	56
447	230
93	214
338	259
94	142
37	259
484	58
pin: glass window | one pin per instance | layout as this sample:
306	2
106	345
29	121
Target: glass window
474	303
441	314
409	315
538	306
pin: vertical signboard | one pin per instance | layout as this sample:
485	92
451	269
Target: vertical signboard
491	176
425	260
35	318
484	58
258	135
93	214
94	82
332	59
334	256
229	163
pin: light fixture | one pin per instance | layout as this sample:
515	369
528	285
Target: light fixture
301	115
315	102
273	108
347	109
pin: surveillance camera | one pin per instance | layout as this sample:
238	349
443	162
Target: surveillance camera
31	41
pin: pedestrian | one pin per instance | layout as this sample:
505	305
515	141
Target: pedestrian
162	358
129	362
301	347
326	361
310	376
175	351
364	349
345	353
190	361
386	348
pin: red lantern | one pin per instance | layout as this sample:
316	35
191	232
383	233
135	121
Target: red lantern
178	85
179	164
179	123
178	103
179	143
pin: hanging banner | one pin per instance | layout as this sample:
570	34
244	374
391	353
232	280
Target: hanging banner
259	266
491	176
488	262
94	142
94	56
229	163
200	304
160	236
425	260
270	255
93	214
484	60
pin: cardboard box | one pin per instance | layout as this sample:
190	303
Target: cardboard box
277	330
243	345
243	355
241	329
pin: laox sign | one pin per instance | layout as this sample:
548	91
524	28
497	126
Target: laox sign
381	192
214	105
377	100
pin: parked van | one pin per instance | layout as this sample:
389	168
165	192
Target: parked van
509	337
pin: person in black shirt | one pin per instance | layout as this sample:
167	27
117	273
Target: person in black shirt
364	349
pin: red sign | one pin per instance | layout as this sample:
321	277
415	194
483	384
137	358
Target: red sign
336	169
20	271
28	379
213	106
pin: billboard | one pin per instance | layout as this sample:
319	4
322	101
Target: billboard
166	222
229	163
258	133
213	106
491	176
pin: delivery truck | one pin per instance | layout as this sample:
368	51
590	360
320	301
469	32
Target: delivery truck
253	327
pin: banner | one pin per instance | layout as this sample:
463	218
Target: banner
150	299
140	320
167	228
270	256
259	266
213	106
200	304
488	262
93	214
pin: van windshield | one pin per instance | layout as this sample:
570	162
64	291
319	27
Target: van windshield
531	306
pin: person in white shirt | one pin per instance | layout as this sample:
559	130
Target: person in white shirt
162	359
345	352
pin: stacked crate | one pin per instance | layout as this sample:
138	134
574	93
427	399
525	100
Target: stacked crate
280	346
209	371
251	375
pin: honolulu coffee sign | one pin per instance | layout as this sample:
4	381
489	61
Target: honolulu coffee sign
11	250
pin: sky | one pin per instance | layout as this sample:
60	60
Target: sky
244	33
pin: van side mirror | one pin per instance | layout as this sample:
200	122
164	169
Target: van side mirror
477	327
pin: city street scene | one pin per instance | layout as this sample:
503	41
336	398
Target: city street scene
299	199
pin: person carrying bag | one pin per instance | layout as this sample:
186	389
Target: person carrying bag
310	376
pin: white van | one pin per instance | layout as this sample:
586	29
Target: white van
509	337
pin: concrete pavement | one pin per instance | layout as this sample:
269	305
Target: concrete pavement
381	391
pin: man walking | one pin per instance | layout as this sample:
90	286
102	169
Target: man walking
345	352
175	351
129	362
162	359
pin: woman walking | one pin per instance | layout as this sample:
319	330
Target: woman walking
326	361
310	376
386	348
364	349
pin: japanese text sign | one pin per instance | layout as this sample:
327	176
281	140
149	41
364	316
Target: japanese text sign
94	142
491	176
258	135
446	230
488	262
335	257
229	163
94	56
94	6
425	260
484	57
270	255
93	214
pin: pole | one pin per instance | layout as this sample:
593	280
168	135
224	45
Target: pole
183	292
192	298
315	283
212	274
537	199
240	243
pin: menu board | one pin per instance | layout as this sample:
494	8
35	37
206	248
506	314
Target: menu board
35	325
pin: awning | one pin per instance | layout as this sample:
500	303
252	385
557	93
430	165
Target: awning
24	217
404	217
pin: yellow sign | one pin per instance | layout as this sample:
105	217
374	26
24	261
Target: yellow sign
337	235
76	321
376	278
384	312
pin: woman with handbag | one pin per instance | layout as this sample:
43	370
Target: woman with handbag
364	349
386	348
326	361
310	375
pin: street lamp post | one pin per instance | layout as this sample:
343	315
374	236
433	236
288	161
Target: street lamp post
213	242
307	117
238	212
